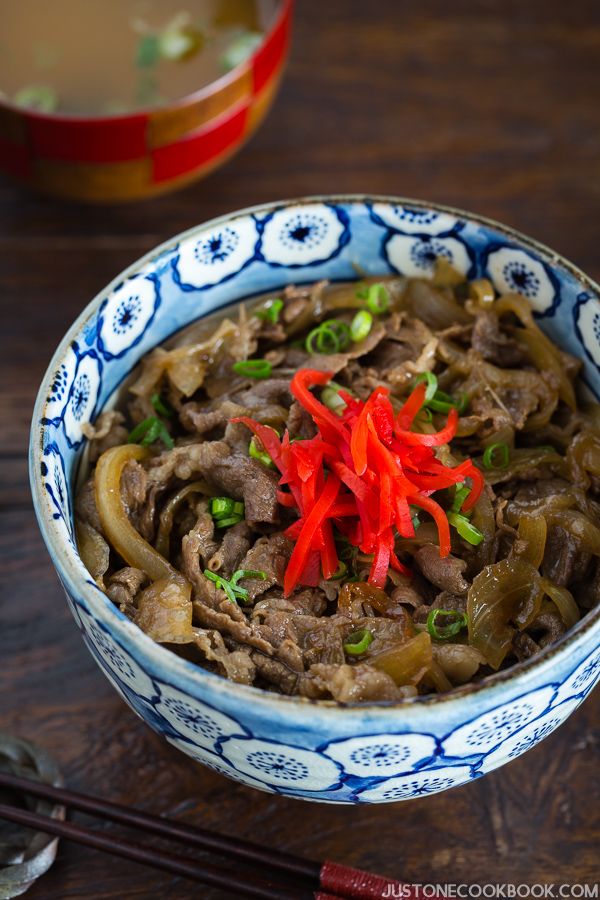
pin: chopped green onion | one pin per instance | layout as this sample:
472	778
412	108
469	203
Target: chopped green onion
339	572
221	583
253	368
240	49
40	97
466	530
460	495
496	456
148	51
270	311
377	297
238	508
261	455
161	407
361	325
149	431
432	384
442	402
331	399
225	523
425	413
358	642
231	587
221	507
331	336
248	573
446	631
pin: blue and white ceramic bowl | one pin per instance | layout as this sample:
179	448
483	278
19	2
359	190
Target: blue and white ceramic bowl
312	750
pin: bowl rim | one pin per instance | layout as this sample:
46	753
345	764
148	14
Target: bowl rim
211	89
191	677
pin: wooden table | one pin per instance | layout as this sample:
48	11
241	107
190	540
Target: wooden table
489	105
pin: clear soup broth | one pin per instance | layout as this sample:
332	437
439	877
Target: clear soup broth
118	56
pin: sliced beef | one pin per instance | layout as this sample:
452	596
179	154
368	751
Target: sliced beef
270	554
107	431
561	561
199	545
300	423
134	484
234	546
275	673
232	473
124	585
235	664
446	573
297	358
201	419
493	344
85	505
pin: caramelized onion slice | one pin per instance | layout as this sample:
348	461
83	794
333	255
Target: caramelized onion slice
507	592
458	662
406	663
119	531
355	593
532	540
564	602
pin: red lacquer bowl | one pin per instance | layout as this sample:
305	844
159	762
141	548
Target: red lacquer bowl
126	157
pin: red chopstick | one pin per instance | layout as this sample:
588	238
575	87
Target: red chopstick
323	881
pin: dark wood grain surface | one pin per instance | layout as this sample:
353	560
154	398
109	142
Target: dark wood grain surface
489	105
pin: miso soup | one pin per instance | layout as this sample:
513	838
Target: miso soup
104	57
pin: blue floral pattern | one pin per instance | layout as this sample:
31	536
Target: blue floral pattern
55	484
82	398
306	235
418	784
490	729
125	316
382	754
114	658
197	722
516	271
581	680
411	220
586	314
415	256
214	256
217	764
281	765
528	736
297	748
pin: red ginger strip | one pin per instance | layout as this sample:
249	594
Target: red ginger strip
376	457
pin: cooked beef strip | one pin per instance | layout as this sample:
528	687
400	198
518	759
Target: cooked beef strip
494	344
236	475
235	544
124	585
446	574
85	505
562	561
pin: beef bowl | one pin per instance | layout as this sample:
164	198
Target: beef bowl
339	722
